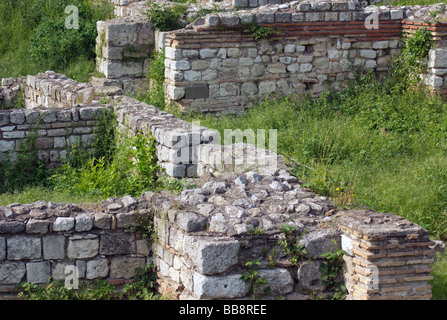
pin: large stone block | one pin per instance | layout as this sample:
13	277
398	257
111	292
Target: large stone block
37	226
82	247
191	222
20	247
117	243
321	241
53	247
12	272
38	272
98	268
220	287
211	255
63	224
124	267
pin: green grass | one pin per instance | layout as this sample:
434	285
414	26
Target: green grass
367	146
412	2
38	193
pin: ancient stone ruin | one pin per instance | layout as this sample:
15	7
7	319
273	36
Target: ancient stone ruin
245	206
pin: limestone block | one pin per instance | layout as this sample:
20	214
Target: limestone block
37	226
124	267
53	247
220	287
173	53
11	226
229	19
12	272
438	58
234	53
82	247
4	118
174	170
190	54
38	272
211	256
20	247
17	117
192	75
369	54
266	87
117	69
175	93
380	45
102	220
6	145
249	89
191	222
63	224
117	243
309	276
207	53
279	281
276	68
228	89
314	16
297	17
321	241
98	268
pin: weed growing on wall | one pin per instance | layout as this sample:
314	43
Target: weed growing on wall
155	94
23	168
166	18
143	287
411	63
259	32
253	277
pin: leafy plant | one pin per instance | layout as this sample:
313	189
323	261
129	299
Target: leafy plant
96	290
290	245
253	277
155	94
144	285
259	32
331	271
165	18
411	63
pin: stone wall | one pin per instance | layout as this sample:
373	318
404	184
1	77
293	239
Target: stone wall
52	132
39	241
205	235
123	49
59	113
216	65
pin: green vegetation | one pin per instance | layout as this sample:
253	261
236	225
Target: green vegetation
166	18
118	167
143	287
33	37
155	95
253	277
374	144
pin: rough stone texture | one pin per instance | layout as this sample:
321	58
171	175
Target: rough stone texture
104	250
